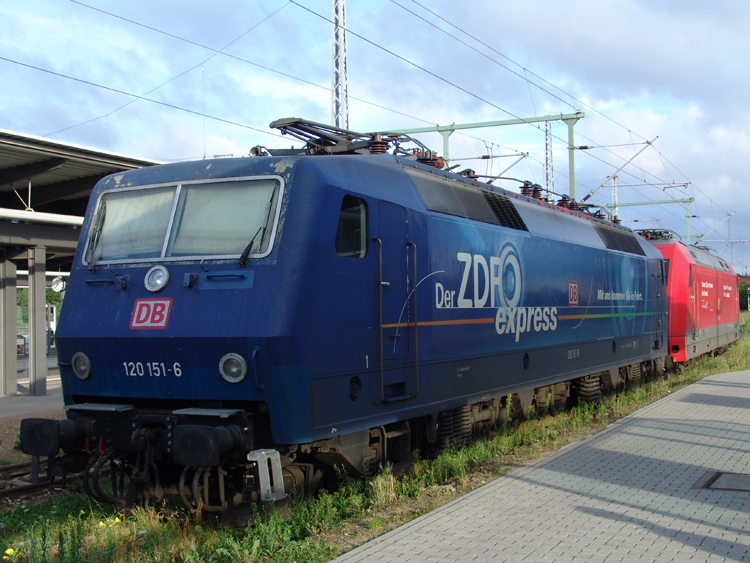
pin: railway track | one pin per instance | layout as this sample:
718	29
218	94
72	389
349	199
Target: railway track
15	481
17	470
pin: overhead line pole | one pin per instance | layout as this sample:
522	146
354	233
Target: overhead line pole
686	202
446	131
339	79
571	158
549	172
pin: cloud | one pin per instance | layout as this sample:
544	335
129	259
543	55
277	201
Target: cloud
638	68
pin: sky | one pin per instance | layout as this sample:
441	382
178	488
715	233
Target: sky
180	80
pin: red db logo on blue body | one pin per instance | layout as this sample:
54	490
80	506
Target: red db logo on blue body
572	293
150	313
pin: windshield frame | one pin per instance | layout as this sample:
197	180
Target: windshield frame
94	227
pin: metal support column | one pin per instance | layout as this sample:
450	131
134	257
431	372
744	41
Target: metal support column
571	157
37	321
8	327
446	133
549	175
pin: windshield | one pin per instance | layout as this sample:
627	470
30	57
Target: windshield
187	220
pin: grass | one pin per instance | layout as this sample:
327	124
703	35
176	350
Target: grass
73	528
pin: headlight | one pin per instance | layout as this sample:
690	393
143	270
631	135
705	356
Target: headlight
81	365
59	284
156	278
233	368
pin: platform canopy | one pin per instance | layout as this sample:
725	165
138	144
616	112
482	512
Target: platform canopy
49	177
44	191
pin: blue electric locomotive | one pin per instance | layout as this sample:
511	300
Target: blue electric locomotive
234	328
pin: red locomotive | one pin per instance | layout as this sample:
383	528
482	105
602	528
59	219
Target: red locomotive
702	296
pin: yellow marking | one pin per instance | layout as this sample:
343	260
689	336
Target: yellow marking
444	323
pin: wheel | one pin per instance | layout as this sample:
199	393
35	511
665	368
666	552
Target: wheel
562	391
544	399
659	368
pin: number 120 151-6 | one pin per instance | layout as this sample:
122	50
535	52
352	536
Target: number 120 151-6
151	369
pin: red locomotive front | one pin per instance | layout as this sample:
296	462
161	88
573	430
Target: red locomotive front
703	300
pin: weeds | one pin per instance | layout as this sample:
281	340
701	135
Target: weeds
383	487
70	529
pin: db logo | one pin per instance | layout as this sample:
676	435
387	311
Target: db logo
150	313
572	293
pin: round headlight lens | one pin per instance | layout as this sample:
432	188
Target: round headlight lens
156	278
59	284
81	365
233	368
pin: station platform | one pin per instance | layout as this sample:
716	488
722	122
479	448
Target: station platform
28	405
668	483
24	404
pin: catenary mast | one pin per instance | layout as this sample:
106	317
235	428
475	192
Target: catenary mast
339	86
549	178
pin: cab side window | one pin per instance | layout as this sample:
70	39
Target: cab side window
351	235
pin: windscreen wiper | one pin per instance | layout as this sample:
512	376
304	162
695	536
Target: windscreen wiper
264	226
98	221
246	252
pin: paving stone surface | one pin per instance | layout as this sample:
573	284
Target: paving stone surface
625	494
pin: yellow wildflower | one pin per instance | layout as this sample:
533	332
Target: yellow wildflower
101	524
117	520
9	551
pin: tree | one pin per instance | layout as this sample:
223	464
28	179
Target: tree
22	296
53	297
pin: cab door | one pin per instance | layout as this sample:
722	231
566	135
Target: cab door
395	315
660	292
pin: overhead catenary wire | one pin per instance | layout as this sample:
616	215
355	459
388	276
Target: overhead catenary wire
526	71
269	69
578	101
477	50
427	71
433	74
201	64
307	82
604	161
415	65
241	59
525	77
118	91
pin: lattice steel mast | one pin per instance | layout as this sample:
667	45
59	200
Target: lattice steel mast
615	210
339	86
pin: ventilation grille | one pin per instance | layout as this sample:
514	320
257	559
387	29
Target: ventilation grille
505	211
448	196
615	239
